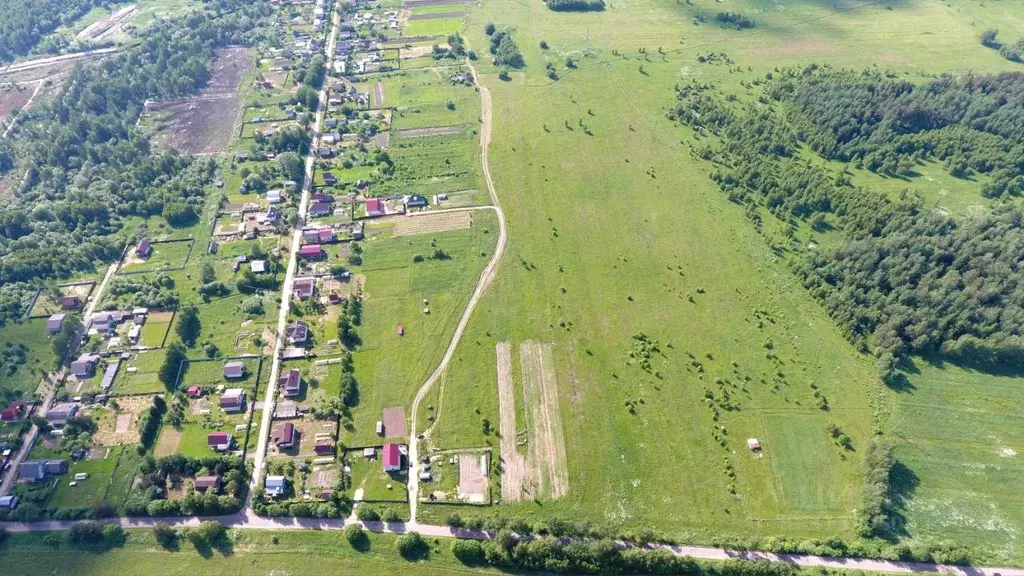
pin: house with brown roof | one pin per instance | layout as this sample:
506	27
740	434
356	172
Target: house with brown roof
290	383
71	302
207	483
284	435
233	400
14	411
144	249
305	288
220	441
298	332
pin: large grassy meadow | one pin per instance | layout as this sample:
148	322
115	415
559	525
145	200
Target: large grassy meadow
615	229
390	368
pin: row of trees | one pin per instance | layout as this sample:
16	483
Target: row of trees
575	5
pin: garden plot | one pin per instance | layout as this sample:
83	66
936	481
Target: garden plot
432	223
436	131
119	422
473	477
48	301
166	254
204	124
139	374
13	96
154	331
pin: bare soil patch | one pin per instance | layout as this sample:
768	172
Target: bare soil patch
378	95
439	130
121	428
206	123
161	317
415	52
13	96
437	15
170	438
415	3
513	465
394	422
432	223
473	477
543	420
408	40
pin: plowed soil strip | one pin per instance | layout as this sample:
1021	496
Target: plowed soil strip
513	465
430	131
544	422
432	223
415	3
437	15
378	95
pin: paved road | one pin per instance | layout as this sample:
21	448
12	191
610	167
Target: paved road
289	279
486	277
247	521
49	60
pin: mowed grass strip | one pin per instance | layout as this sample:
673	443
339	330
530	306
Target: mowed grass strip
960	459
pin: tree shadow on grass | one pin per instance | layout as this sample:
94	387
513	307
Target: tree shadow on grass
903	483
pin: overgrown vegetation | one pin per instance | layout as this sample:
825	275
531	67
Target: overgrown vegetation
908	279
575	5
26	22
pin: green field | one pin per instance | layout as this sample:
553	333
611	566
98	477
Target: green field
959	444
209	374
616	229
251	552
433	27
374	482
167	254
389	368
24	378
143	381
109	480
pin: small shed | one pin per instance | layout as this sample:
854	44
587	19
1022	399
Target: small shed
753	444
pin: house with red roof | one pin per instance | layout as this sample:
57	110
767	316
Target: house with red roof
194	392
14	411
311	251
374	208
392	460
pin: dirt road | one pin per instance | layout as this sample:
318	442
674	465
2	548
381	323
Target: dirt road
40	62
486	277
289	280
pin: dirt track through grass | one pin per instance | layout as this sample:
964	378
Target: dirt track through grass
544	423
513	465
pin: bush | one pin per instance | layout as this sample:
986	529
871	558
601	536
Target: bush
357	537
86	534
489	29
575	5
468	551
367	513
114	535
412	546
390	516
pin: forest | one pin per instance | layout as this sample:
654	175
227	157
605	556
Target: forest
88	168
907	278
25	22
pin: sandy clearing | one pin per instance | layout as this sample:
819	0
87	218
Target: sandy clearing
432	223
437	131
170	438
415	52
544	421
394	422
473	478
119	428
513	465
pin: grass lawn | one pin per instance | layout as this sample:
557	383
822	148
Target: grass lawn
23	378
390	368
420	99
292	552
208	374
169	254
146	379
368	475
194	432
433	27
959	447
109	479
154	332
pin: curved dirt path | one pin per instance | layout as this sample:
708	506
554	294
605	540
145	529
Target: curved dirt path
486	277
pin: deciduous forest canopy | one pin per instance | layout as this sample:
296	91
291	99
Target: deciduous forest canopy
87	167
24	22
907	278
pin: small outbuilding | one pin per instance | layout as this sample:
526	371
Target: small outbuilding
753	444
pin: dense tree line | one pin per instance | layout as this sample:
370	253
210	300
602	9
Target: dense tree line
575	5
25	22
907	278
505	50
88	168
734	20
149	497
